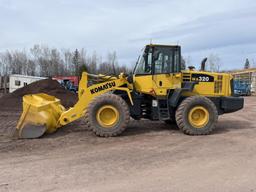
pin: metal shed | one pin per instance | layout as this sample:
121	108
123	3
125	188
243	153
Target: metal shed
248	76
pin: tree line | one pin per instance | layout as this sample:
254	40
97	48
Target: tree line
47	62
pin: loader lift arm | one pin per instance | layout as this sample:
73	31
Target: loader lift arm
43	113
87	94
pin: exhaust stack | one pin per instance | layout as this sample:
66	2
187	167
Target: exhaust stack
203	64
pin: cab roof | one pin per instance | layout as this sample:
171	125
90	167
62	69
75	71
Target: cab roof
161	45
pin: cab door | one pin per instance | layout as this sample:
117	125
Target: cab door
166	65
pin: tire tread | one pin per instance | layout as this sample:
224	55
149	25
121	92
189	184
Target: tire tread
179	115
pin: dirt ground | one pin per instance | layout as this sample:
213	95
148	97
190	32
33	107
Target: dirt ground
147	157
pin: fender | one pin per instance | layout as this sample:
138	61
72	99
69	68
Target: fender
173	98
127	90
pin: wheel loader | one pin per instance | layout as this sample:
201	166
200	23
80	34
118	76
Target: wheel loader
158	90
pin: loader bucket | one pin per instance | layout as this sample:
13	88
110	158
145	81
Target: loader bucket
40	115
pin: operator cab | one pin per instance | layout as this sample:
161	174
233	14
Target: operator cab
159	59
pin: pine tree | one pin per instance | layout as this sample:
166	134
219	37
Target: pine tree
76	62
247	64
82	68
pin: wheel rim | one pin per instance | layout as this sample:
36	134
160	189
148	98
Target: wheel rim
198	117
107	116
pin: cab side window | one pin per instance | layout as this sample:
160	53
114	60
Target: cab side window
163	63
167	60
176	63
159	63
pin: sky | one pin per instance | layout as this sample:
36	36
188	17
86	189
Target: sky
225	28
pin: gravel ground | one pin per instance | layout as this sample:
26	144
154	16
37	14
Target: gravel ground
149	156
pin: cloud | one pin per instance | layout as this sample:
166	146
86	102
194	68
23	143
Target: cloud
202	27
215	31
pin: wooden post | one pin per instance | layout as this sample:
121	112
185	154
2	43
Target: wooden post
5	84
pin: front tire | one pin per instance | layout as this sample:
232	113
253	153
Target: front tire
107	115
197	115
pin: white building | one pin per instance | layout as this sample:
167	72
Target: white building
19	81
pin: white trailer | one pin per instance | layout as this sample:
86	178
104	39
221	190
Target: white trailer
19	81
254	83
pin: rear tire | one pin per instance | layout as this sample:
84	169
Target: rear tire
196	115
107	115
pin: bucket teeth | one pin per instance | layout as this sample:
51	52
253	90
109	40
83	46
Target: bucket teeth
31	131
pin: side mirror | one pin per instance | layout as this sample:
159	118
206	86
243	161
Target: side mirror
130	78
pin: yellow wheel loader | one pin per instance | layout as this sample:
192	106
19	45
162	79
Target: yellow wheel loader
159	90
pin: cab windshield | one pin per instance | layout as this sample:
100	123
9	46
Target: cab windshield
144	63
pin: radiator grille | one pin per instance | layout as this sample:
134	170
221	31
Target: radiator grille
218	84
186	77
